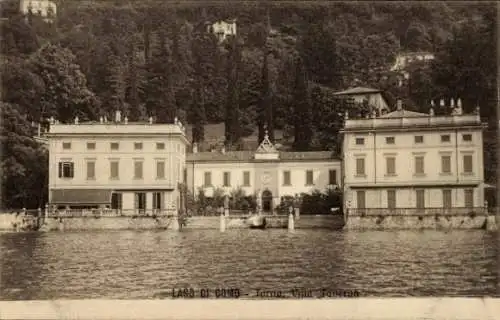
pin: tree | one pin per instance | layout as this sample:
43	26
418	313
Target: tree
66	94
233	132
160	91
265	119
302	110
23	162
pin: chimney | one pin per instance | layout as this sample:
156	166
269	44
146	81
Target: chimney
101	119
150	120
195	147
399	105
76	120
125	120
118	116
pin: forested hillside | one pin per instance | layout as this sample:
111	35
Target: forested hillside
156	58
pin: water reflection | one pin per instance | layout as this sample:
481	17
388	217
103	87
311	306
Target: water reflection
148	264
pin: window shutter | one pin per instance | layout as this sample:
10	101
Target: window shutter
60	169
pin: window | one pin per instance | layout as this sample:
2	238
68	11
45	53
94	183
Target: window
469	198
467	163
419	165
114	169
138	169
160	146
185	175
90	145
390	140
360	141
227	179
246	178
419	139
361	199
157	201
66	169
287	178
332	177
309	178
160	169
140	201
207	179
445	138
114	145
446	198
420	197
66	145
138	146
467	137
445	164
360	167
390	165
116	201
90	170
391	199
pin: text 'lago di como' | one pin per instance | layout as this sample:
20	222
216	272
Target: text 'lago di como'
235	293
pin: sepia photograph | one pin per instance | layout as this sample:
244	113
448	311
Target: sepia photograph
334	159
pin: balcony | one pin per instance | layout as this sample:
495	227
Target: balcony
408	212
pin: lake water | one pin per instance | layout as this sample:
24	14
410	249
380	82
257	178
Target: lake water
149	264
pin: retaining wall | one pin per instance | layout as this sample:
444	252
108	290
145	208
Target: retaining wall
17	222
106	223
422	222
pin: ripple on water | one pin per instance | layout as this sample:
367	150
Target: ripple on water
146	264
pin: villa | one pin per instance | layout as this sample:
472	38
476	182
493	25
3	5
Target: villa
116	164
413	161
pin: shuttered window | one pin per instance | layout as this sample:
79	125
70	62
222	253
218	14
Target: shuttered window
446	164
360	166
469	198
90	170
246	178
287	178
467	163
391	199
160	170
207	179
391	165
446	198
419	165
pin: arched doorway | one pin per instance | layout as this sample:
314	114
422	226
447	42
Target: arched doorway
267	200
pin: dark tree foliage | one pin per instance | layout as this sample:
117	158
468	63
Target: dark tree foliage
265	119
303	124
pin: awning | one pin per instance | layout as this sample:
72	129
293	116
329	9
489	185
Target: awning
81	196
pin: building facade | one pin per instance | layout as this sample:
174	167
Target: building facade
406	159
266	172
373	97
118	165
223	29
44	8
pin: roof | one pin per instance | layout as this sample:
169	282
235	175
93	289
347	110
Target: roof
357	90
248	156
404	114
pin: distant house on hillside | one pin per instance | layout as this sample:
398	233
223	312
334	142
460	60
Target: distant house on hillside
43	8
403	60
222	29
374	97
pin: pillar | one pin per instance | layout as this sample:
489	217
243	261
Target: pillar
291	222
222	223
